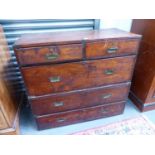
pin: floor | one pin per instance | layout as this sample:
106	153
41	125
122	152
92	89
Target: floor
28	125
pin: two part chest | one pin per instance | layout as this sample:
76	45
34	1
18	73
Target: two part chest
73	77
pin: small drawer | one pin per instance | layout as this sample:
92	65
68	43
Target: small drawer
81	115
79	99
111	48
47	79
49	54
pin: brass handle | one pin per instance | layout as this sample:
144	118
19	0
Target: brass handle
58	104
104	111
61	120
55	79
112	50
105	96
52	56
109	71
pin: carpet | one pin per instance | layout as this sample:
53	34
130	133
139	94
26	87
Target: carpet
134	126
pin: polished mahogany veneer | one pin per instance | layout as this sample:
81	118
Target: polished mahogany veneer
77	76
39	55
80	115
111	48
59	102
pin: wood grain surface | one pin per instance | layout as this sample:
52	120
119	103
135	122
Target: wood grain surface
80	115
49	54
32	40
42	80
59	102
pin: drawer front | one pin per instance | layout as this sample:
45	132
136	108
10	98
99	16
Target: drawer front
79	99
111	48
3	123
49	79
48	54
85	114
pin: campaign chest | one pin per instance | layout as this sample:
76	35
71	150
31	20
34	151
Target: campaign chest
76	76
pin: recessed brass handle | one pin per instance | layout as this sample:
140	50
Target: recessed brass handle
61	120
109	71
51	56
105	96
104	111
54	79
112	50
58	104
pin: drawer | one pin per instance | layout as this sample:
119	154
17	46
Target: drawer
110	48
49	54
76	116
79	99
47	79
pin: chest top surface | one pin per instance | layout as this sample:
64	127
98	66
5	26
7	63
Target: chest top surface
54	38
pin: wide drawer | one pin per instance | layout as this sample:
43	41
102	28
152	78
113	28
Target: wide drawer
76	116
111	48
47	79
79	99
49	54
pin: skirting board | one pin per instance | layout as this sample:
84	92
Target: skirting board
140	105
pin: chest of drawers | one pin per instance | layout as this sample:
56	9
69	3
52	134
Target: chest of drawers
76	76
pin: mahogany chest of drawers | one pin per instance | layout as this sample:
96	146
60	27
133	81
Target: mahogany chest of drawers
76	76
